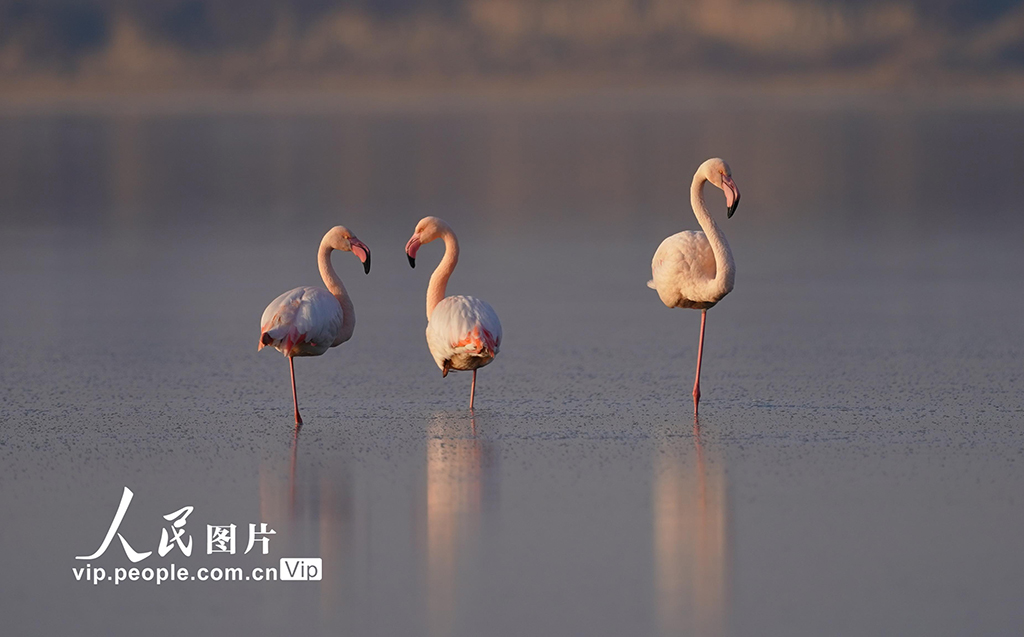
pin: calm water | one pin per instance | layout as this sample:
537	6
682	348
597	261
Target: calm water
859	462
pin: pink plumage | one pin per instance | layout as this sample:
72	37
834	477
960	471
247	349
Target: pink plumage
302	322
465	331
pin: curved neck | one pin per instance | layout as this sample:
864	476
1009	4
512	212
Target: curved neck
337	288
725	268
439	279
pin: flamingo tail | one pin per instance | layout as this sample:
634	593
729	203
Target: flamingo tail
283	338
479	342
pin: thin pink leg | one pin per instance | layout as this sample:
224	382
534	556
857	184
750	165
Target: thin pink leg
472	390
700	352
295	395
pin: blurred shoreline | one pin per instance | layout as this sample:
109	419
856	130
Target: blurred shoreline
571	93
409	55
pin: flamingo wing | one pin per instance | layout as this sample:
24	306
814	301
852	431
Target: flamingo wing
301	322
463	326
682	266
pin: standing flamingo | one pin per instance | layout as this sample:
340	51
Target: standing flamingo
307	321
463	332
695	269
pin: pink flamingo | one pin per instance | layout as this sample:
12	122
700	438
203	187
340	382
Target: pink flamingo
307	321
695	269
463	332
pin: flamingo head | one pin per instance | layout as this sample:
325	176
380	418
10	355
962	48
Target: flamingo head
428	229
718	173
340	238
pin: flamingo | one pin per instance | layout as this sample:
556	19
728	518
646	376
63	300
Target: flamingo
307	321
694	269
463	332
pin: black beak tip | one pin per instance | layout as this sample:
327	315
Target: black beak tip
366	264
412	261
732	209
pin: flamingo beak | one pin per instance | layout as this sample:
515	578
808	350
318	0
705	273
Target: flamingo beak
411	248
732	195
361	250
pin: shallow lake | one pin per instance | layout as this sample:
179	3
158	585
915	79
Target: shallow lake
858	465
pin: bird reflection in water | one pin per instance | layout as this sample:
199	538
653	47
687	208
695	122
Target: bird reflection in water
285	499
311	508
690	539
458	486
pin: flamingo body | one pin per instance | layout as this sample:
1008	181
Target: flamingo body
305	321
681	268
465	332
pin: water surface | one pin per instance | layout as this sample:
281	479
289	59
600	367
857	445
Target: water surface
857	467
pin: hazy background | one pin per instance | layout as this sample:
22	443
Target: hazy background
138	45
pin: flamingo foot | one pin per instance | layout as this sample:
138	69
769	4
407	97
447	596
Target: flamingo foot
696	399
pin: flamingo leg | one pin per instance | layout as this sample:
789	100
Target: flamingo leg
295	395
472	391
700	352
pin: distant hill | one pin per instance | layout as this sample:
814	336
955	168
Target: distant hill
323	43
